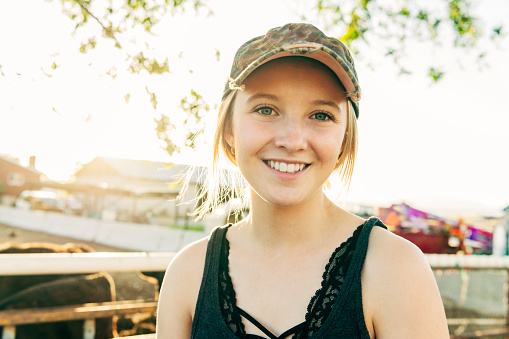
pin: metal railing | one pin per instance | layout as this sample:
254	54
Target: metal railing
73	263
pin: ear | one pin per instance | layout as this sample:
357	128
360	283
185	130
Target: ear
228	133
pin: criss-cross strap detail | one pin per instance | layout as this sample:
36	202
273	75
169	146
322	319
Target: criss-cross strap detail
294	330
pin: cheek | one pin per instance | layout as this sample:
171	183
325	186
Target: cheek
328	144
330	155
250	133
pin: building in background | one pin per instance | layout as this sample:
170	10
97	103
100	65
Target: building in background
135	190
15	178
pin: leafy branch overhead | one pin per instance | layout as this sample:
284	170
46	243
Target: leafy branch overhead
390	26
359	22
364	22
116	18
193	108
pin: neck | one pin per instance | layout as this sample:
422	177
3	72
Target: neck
286	228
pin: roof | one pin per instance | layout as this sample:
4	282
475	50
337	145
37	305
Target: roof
139	169
16	163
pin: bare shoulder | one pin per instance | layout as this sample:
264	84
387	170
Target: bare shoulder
397	276
392	252
179	291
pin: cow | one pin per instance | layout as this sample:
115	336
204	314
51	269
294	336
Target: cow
23	292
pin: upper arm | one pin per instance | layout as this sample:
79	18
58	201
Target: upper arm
179	292
400	290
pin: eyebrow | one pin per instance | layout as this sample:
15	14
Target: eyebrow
326	103
262	96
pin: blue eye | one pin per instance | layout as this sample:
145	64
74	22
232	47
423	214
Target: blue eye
322	116
265	110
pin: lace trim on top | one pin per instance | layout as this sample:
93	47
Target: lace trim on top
227	297
320	304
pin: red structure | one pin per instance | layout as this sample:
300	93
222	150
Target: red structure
17	178
433	234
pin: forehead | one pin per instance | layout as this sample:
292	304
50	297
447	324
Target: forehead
296	65
293	80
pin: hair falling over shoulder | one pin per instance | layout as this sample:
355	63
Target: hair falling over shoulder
222	181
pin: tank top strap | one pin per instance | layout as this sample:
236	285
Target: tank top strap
362	244
357	265
208	288
214	245
346	319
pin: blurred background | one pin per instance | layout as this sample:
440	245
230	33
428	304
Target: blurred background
102	95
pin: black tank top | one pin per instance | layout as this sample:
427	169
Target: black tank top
216	315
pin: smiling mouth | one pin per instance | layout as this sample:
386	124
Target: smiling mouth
285	167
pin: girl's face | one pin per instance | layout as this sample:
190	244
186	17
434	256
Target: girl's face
287	129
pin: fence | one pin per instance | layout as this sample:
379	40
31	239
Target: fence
474	292
71	263
473	288
88	312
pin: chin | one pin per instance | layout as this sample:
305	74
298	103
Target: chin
283	198
284	202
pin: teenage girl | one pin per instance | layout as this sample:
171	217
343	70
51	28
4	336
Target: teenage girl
298	266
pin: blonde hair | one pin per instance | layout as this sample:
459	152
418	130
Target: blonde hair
223	184
346	161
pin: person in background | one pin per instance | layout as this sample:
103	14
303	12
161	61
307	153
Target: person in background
298	266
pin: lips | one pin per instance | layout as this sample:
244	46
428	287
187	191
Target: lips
286	167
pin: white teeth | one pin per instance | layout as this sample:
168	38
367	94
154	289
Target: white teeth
284	167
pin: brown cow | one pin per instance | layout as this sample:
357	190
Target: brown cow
20	292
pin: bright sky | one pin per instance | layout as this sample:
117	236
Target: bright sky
435	144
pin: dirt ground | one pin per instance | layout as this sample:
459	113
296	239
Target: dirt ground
129	285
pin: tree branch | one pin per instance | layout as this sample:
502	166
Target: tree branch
108	31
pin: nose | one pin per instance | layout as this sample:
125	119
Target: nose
291	136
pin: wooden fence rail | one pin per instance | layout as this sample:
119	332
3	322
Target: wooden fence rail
89	312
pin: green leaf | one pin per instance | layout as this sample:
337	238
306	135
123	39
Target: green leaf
422	15
404	12
90	44
153	98
435	74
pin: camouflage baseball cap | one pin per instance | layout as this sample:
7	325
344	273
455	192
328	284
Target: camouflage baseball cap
296	40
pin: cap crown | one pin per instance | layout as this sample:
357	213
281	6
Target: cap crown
296	40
